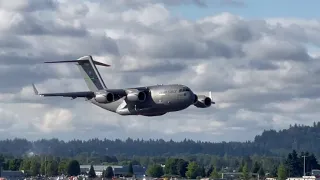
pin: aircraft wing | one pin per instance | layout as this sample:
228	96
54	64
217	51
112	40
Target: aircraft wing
87	94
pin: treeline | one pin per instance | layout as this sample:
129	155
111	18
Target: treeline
190	167
37	166
294	163
269	143
293	166
176	167
128	147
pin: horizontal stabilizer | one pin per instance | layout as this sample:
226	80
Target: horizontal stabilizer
79	61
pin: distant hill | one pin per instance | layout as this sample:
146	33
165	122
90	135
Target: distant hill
298	137
270	143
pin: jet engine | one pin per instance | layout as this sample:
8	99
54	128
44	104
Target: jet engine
202	101
105	97
134	96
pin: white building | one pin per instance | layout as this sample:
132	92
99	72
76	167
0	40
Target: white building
303	178
117	170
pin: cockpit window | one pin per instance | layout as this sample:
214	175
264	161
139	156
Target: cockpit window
184	89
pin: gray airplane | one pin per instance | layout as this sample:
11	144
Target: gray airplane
154	100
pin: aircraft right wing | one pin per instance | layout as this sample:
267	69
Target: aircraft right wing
86	94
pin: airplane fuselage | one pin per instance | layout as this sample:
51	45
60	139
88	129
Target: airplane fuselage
160	99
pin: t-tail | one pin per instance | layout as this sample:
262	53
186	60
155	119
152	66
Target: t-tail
89	71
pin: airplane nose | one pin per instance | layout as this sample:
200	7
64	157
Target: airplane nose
195	98
192	97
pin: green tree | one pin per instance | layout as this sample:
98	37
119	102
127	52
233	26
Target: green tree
282	172
2	158
155	171
109	172
240	168
202	171
241	165
171	166
255	167
14	164
130	170
193	170
261	172
43	168
63	167
274	171
26	163
245	172
215	173
92	173
52	168
182	167
210	170
73	168
247	160
311	161
293	164
34	167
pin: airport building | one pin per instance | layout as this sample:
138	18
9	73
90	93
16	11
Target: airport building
118	171
12	175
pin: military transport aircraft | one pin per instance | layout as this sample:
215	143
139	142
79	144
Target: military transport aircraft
154	100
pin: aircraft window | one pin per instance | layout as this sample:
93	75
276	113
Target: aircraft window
186	89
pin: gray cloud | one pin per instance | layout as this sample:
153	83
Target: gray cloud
237	3
29	5
31	25
13	42
261	65
260	71
139	3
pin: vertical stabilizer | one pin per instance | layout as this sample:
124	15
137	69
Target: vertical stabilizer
89	71
90	74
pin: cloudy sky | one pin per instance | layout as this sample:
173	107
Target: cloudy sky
260	59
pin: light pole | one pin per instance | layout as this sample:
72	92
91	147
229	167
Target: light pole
304	165
45	161
45	165
87	157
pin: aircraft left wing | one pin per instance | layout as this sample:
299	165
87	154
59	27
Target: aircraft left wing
85	94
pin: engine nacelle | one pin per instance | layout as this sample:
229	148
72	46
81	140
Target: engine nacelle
105	97
137	96
202	101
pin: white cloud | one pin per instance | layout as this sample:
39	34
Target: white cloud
149	15
261	72
56	120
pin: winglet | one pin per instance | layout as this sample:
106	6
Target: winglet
210	96
35	90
